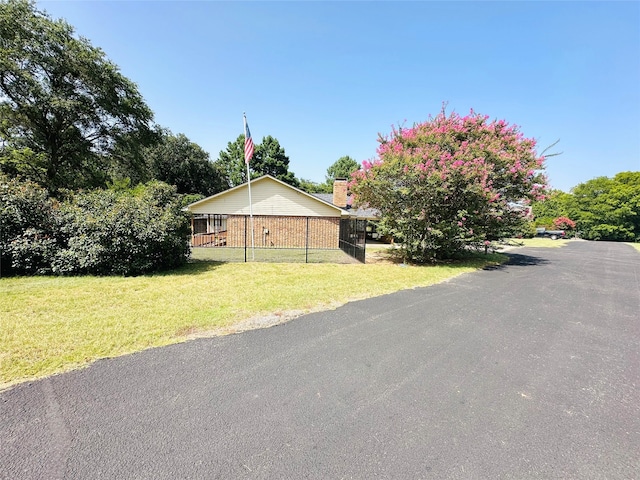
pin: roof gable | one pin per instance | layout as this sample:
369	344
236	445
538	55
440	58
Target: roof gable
269	196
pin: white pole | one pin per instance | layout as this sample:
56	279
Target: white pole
253	251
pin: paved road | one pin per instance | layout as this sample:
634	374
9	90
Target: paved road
530	370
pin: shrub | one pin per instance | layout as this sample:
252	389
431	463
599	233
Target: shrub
102	232
564	223
27	228
123	233
528	230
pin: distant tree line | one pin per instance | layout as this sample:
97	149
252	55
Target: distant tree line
600	209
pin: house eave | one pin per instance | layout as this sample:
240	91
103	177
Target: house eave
339	211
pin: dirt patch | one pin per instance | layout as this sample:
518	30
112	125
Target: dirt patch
253	323
382	255
263	321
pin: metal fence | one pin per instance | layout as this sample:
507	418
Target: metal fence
231	238
353	238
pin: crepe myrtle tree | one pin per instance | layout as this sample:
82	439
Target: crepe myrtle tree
449	184
564	223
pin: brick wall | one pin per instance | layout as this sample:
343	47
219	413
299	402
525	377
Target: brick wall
340	192
284	232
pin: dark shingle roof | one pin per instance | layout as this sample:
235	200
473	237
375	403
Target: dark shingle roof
326	197
368	213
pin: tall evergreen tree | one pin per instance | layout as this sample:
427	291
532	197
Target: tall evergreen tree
342	168
269	158
231	163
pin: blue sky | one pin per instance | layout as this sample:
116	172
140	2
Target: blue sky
325	78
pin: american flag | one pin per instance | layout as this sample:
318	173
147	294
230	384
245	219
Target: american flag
248	142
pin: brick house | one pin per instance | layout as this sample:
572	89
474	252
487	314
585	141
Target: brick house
283	217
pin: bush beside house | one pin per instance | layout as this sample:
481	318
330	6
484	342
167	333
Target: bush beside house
101	232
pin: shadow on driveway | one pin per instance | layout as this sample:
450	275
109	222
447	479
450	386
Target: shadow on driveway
516	259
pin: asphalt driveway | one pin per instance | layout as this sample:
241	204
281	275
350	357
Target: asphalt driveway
529	370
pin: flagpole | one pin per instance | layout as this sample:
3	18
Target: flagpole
246	160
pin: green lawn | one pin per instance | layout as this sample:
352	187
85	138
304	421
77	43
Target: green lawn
54	324
281	255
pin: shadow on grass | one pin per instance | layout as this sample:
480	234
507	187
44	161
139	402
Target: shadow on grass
472	259
519	260
193	267
469	258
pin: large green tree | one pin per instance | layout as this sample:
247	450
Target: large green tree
607	208
554	205
342	168
269	158
178	161
603	208
63	104
310	186
128	160
231	162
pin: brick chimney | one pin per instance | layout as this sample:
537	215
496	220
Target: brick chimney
340	192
